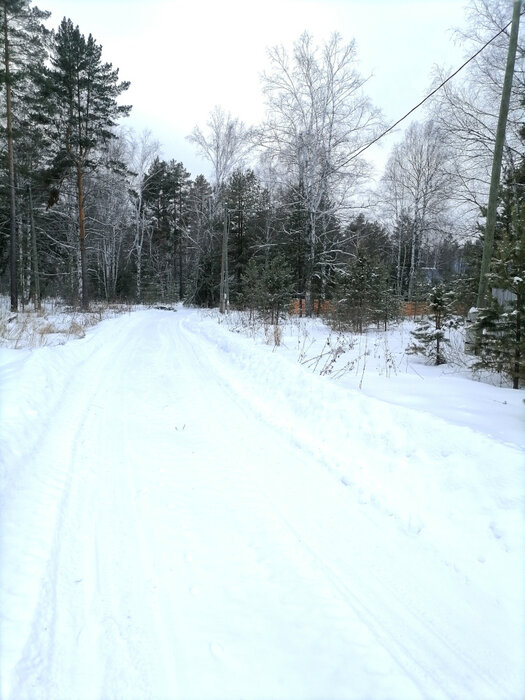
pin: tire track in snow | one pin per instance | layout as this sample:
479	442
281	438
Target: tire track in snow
181	534
440	668
199	373
58	450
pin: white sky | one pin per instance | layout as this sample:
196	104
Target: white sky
183	57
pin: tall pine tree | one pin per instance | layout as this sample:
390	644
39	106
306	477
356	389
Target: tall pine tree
79	96
22	39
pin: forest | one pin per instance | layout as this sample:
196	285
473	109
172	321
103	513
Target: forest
291	214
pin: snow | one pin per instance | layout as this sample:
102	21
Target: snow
188	512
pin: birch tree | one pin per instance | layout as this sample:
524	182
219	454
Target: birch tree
417	189
225	145
318	118
142	154
465	111
109	215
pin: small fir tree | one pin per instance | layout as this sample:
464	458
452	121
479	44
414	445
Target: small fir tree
276	287
430	333
389	305
250	287
268	288
360	292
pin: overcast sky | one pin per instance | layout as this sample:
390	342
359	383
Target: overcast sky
183	57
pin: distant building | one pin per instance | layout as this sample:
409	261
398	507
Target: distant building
431	275
503	296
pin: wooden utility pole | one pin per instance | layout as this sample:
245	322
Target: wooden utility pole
488	244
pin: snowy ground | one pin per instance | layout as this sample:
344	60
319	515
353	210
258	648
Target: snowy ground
188	512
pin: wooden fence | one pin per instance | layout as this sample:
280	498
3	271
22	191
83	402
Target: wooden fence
409	309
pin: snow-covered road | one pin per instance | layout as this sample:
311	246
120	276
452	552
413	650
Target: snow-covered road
171	527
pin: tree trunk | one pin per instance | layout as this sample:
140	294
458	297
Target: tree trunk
399	269
34	252
412	268
224	301
181	283
517	346
11	160
21	266
181	249
139	274
308	306
308	287
82	237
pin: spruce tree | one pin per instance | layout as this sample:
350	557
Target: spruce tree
244	206
267	287
501	325
250	295
276	286
362	292
430	333
179	185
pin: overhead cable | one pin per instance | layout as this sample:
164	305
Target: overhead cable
390	128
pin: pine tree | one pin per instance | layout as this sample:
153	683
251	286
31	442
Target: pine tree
244	208
22	40
276	287
362	292
388	308
166	210
179	185
251	287
204	251
268	288
79	99
430	333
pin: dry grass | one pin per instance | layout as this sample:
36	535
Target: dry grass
77	330
48	329
53	324
272	334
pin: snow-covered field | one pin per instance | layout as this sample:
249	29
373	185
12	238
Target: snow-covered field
189	512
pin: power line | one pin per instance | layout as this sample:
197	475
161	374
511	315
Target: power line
362	150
